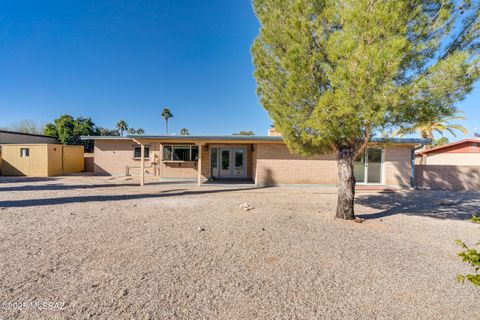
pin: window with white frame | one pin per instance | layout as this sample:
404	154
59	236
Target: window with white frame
137	152
24	152
180	153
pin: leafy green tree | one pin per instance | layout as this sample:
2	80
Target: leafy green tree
69	130
84	127
245	133
50	129
122	127
107	132
333	73
65	125
166	114
184	132
440	142
140	131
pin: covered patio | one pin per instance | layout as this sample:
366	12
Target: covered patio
220	159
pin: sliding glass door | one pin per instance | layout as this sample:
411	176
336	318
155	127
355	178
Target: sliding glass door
368	167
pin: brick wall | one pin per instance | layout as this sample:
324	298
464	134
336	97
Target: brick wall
276	165
398	165
112	156
449	177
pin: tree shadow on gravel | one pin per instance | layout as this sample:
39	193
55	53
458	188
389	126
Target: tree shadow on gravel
7	179
103	198
436	204
58	186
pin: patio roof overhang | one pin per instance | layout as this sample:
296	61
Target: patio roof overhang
237	139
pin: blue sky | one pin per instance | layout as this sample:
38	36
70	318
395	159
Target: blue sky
118	59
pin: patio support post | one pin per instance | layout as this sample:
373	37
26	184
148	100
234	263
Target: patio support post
142	164
199	166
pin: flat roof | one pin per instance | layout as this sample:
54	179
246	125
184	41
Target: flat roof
240	138
26	134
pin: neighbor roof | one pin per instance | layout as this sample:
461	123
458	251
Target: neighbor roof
26	134
240	138
449	145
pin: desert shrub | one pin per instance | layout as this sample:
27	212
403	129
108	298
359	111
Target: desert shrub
475	219
472	257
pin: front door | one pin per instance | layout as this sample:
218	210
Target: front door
368	167
228	162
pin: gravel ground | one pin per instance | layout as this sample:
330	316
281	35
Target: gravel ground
103	248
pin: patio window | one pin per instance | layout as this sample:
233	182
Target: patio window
180	153
137	152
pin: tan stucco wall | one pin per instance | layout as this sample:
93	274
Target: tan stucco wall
73	159
459	159
44	160
35	165
54	160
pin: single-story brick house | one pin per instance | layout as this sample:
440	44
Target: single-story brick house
264	160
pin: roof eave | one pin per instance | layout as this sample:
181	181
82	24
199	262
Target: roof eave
410	141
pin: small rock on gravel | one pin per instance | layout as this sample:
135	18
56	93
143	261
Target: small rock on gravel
123	292
246	207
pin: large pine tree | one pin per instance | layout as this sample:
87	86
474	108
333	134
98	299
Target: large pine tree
333	73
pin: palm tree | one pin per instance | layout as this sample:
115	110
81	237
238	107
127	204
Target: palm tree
439	124
122	127
140	131
184	132
166	114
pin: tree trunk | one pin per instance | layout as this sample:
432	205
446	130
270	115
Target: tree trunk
427	135
166	127
346	184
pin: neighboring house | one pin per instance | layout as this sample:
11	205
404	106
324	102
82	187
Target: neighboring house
454	166
8	137
264	160
461	153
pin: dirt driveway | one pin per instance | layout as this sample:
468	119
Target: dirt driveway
89	247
